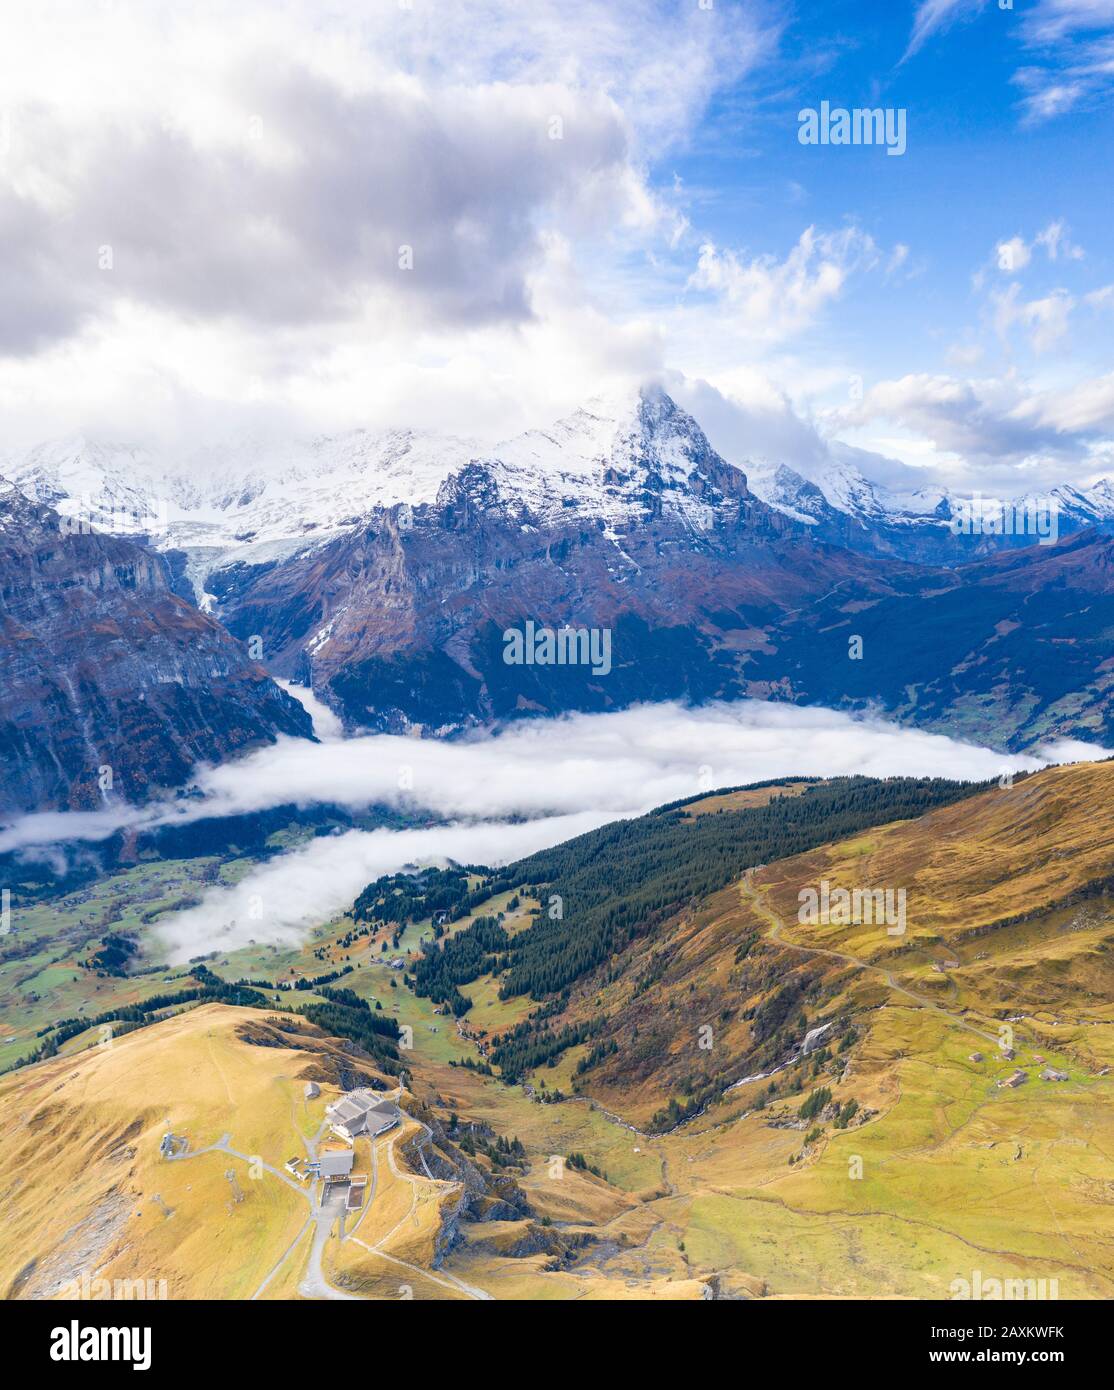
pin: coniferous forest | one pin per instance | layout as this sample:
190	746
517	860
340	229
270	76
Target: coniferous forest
600	890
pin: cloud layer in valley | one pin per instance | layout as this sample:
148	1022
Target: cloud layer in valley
277	903
504	795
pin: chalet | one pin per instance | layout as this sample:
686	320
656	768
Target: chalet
362	1112
1053	1074
173	1145
335	1164
1017	1078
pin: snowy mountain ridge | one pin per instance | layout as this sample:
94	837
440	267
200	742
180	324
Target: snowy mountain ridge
616	458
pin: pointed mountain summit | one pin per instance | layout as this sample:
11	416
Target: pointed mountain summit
260	500
383	570
620	458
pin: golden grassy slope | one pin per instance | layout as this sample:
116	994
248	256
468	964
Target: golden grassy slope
957	1174
950	1174
970	867
744	799
966	869
85	1189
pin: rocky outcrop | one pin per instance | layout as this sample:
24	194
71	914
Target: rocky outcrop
112	687
481	1194
384	571
635	526
656	539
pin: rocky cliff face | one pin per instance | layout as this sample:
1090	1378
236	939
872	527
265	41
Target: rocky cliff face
111	686
634	525
628	521
385	572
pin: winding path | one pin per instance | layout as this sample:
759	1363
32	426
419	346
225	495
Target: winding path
747	891
443	1277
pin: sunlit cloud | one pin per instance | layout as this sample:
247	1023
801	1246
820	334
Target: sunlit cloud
498	796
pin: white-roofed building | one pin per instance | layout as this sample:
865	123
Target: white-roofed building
362	1112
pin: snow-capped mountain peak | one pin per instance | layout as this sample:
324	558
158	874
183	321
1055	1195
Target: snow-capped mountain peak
250	499
1101	497
617	459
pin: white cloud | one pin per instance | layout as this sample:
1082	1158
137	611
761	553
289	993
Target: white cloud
1012	255
1045	319
1058	244
1073	51
898	258
502	796
1048	96
966	354
279	902
773	300
1069	51
1086	408
256	171
613	764
593	768
933	16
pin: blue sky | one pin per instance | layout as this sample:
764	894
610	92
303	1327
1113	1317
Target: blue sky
473	214
978	169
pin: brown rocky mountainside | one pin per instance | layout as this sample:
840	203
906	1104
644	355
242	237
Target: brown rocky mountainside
111	686
655	537
706	591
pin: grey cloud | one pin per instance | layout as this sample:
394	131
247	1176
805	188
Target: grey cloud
607	764
985	421
769	428
1086	408
305	224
